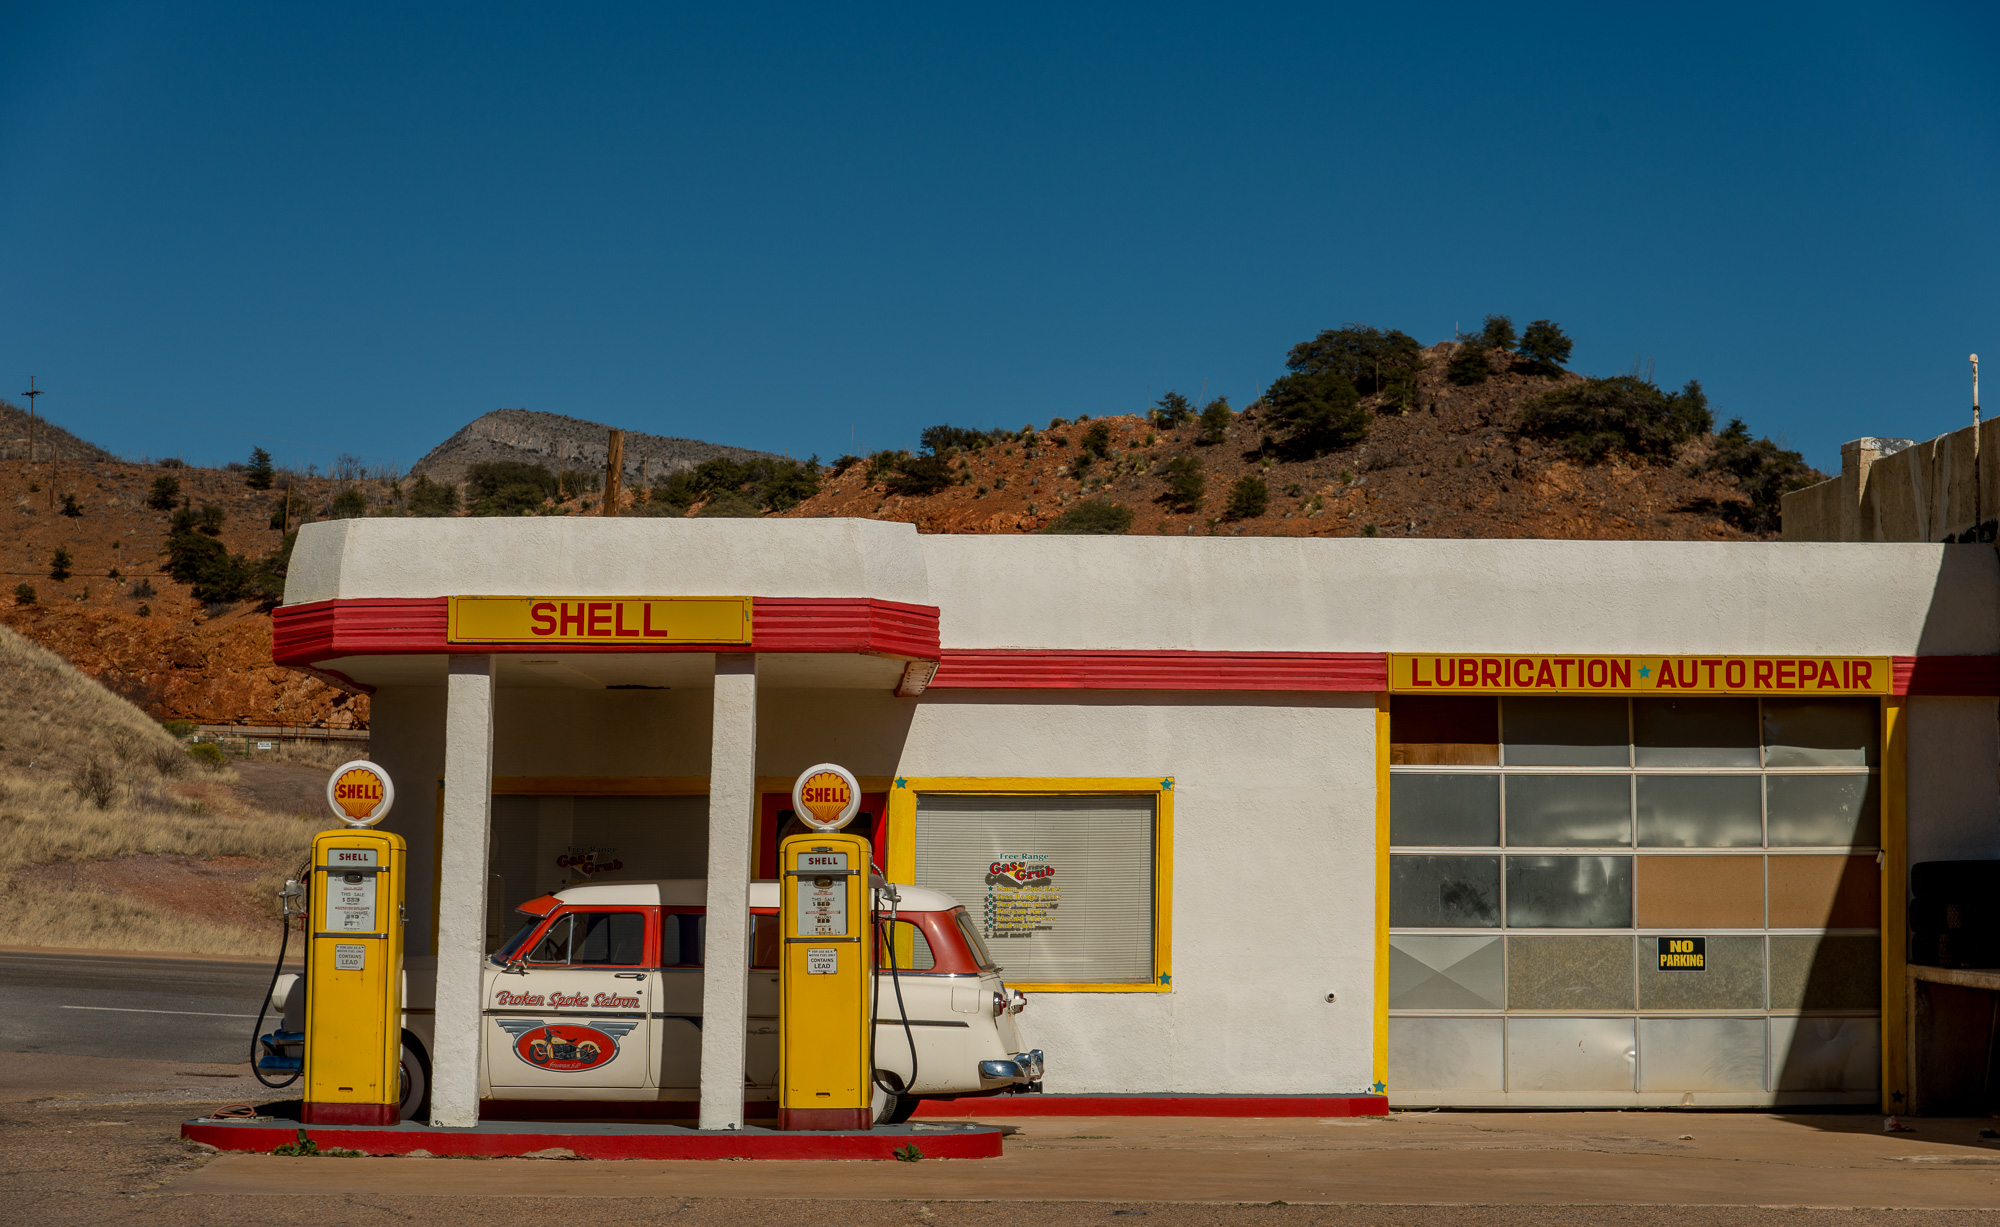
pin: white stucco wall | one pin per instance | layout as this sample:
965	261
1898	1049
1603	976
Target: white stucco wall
1375	595
1954	797
1274	886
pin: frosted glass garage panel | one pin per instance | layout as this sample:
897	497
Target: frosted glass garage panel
1569	892
1444	892
1700	811
1444	811
1840	811
1446	1054
1537	732
1820	733
1569	1054
1564	811
1825	1054
1446	973
1089	920
1694	732
1702	1054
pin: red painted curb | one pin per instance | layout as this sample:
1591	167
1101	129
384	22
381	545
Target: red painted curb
680	1144
1155	1105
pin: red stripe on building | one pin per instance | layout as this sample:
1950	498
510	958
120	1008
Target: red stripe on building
1974	676
1029	669
303	635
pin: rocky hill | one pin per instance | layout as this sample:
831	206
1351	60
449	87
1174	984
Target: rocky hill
1454	464
50	442
561	443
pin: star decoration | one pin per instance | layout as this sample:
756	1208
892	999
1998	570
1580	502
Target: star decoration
1645	672
901	782
1167	785
1381	1088
1166	979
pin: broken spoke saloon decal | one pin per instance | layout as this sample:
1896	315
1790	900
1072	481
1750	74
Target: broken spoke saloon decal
566	1048
1427	673
632	620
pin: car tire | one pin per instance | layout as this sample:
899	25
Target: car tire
415	1099
902	1110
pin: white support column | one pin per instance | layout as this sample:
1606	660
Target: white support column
732	814
461	945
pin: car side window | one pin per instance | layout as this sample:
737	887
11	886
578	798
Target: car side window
911	949
604	939
764	943
681	936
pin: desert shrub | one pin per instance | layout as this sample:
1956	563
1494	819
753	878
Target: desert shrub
1249	498
1498	333
1185	483
920	475
207	566
179	728
938	440
507	488
166	492
208	756
1469	365
1762	471
143	590
24	594
170	761
1544	349
432	498
349	504
1096	442
842	463
1215	420
145	611
730	504
258	473
207	520
95	783
1316	412
1374	360
1095	517
762	485
298	506
1170	411
173	462
1624	413
59	564
70	507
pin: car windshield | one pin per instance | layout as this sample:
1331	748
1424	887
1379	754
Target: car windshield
973	940
506	953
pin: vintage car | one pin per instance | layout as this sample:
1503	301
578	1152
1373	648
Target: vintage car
598	997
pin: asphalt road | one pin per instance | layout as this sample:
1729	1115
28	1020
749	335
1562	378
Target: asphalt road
149	1009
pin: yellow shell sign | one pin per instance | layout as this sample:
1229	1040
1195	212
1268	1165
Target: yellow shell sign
826	797
360	793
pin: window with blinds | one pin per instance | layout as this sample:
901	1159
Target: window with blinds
1060	886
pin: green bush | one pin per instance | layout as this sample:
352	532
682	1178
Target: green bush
1096	442
764	485
1317	412
1763	472
1371	359
938	440
178	729
1469	365
1215	420
1544	349
1093	516
208	756
166	492
1624	413
1186	483
259	473
432	498
508	488
24	594
70	506
1170	411
1249	498
59	565
729	504
206	520
915	476
349	504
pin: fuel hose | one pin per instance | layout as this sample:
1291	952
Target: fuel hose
256	1033
896	981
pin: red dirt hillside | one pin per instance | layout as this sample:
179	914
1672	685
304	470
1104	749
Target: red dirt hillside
1452	466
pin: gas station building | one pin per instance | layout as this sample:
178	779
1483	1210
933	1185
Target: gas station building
1499	823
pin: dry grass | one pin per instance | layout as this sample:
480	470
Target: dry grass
86	776
325	755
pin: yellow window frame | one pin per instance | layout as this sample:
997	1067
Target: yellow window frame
902	855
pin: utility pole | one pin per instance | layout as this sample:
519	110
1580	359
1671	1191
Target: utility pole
31	394
614	472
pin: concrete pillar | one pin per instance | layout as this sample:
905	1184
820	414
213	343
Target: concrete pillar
732	823
461	942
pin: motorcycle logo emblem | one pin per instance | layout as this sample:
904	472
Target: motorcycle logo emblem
566	1048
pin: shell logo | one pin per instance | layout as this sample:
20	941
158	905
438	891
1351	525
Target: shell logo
360	793
826	797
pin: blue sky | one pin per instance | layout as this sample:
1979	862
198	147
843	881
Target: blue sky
353	228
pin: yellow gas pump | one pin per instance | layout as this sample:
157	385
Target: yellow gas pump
354	958
826	979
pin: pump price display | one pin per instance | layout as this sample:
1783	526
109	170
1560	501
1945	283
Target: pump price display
822	899
350	897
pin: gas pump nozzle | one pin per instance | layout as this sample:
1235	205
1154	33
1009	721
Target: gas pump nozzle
885	888
292	899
